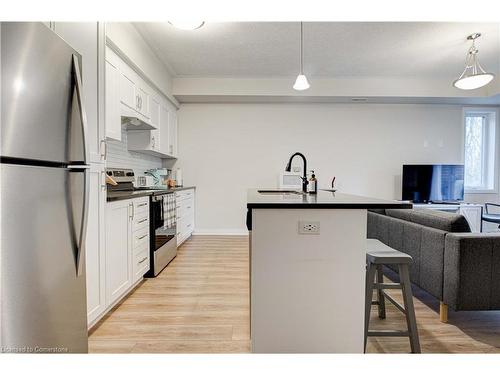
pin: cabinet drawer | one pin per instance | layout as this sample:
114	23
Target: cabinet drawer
184	194
141	221
141	263
185	225
140	237
141	205
184	210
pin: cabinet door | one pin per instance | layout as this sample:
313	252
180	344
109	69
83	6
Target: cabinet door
128	95
172	134
164	130
88	39
143	101
155	121
95	251
112	102
118	249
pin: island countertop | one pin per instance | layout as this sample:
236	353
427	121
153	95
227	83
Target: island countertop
323	200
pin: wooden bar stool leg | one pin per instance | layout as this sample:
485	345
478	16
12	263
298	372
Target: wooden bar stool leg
380	294
370	279
409	308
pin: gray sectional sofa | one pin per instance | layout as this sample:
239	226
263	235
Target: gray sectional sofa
459	268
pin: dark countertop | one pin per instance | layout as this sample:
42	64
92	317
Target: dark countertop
120	195
324	199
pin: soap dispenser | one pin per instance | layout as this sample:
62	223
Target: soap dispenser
313	184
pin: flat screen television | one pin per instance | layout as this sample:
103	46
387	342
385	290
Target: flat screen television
433	183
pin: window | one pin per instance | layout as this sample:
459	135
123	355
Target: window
479	150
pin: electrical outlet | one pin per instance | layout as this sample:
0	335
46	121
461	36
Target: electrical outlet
308	227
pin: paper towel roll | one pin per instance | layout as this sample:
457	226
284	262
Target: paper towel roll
178	177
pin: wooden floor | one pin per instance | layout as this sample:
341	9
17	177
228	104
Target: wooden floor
200	304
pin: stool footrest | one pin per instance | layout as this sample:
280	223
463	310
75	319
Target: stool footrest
387	286
388	333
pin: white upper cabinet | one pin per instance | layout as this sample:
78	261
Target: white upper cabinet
164	130
162	141
172	133
112	113
87	38
127	89
143	99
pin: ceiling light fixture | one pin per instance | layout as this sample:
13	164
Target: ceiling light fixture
473	76
187	25
301	81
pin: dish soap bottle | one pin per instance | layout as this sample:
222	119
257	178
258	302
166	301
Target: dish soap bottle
313	184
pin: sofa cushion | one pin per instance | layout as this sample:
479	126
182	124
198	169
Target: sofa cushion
446	221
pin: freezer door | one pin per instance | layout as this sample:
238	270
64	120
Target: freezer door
40	106
43	295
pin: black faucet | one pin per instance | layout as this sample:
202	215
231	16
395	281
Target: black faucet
288	168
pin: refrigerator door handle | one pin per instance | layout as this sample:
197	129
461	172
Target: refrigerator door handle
83	115
80	255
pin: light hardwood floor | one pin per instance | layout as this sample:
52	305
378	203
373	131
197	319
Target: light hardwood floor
200	304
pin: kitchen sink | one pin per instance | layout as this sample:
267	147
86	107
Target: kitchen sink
280	192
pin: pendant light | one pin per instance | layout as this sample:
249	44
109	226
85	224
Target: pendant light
473	76
301	81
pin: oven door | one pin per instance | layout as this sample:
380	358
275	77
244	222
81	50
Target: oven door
164	241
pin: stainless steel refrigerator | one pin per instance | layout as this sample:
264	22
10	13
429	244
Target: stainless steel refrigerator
44	193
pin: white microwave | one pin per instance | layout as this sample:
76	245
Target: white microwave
290	180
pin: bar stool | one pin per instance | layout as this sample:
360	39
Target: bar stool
377	255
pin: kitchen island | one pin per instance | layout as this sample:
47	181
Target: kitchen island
307	270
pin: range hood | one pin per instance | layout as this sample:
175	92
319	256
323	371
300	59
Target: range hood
135	123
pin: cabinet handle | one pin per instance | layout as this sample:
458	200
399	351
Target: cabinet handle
140	238
188	207
142	204
142	221
104	149
188	225
103	180
133	211
143	260
153	139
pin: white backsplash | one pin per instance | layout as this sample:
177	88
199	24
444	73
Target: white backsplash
119	157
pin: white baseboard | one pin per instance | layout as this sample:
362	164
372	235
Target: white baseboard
220	232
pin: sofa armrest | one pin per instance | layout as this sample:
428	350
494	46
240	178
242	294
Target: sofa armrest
472	271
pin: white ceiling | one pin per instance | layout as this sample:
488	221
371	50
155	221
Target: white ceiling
331	49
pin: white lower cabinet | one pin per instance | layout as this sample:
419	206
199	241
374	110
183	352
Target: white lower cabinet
95	245
114	269
118	249
185	214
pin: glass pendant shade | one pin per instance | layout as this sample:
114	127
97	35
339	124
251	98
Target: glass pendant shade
301	83
473	76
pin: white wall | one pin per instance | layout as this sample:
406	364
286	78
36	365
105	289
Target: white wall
226	148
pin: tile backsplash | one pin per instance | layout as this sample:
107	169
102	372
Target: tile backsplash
120	157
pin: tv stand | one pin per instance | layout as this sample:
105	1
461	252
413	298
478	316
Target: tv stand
473	213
